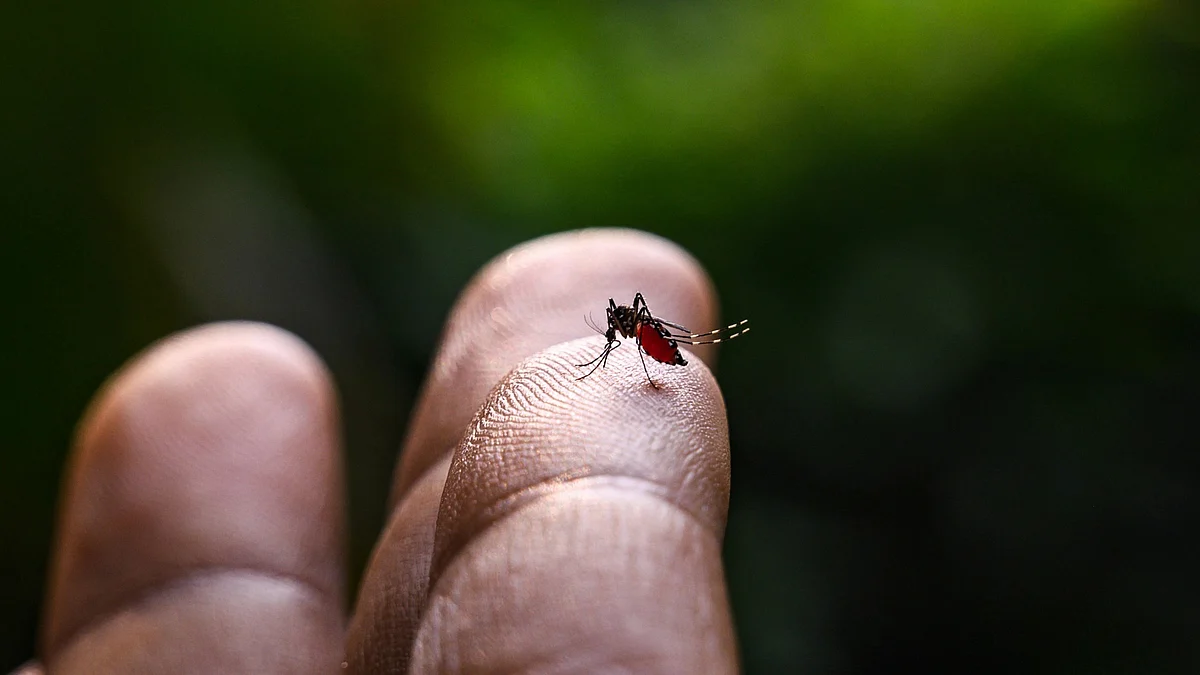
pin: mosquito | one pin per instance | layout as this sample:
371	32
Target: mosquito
657	338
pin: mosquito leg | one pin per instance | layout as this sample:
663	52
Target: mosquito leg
603	358
602	353
675	326
643	315
693	336
641	353
689	341
589	373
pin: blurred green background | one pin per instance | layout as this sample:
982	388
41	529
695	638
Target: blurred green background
965	429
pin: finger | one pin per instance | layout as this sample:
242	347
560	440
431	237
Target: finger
534	296
202	523
525	300
392	594
580	526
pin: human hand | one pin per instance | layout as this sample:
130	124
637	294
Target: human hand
545	524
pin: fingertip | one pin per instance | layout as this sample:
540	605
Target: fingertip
581	521
215	449
268	351
536	295
543	430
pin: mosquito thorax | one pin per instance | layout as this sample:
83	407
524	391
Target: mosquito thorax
626	320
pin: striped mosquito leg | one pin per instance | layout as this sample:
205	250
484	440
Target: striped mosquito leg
685	329
690	341
714	332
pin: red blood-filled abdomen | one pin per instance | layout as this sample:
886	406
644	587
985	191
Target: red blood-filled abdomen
657	347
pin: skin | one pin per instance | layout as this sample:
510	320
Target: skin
537	524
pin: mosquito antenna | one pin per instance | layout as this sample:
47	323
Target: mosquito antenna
592	323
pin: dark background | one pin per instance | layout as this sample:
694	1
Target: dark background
967	232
